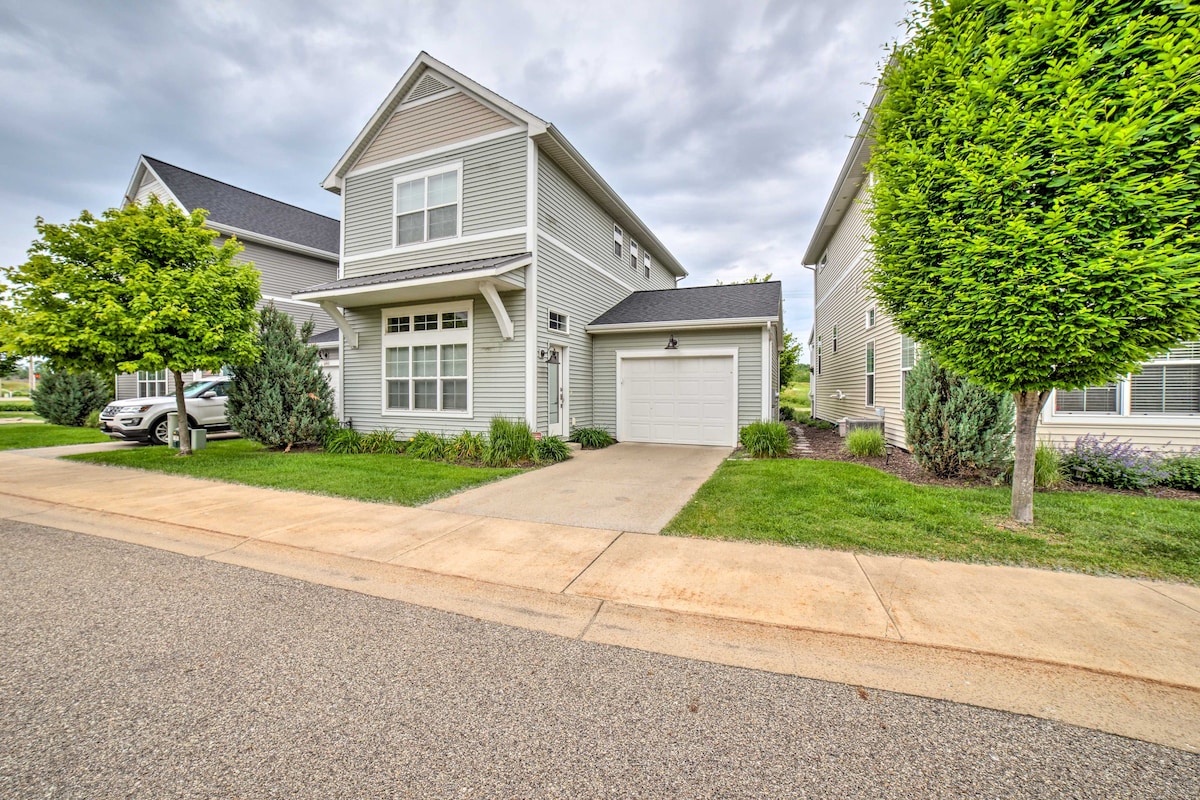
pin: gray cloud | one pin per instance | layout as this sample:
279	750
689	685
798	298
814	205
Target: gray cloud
723	124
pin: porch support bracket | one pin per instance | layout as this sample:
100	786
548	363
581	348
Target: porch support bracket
488	290
335	313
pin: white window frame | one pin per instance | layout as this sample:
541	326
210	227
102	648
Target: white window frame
870	317
634	256
1126	414
566	322
869	380
646	263
439	337
905	370
144	380
425	174
618	241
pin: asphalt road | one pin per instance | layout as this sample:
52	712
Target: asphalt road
130	672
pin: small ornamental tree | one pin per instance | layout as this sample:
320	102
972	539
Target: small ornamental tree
64	398
282	398
138	288
954	427
1036	182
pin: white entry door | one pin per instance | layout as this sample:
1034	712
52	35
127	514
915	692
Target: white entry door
556	392
677	400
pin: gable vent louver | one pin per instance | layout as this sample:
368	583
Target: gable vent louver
427	85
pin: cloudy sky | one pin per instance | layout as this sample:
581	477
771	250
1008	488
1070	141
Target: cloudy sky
722	123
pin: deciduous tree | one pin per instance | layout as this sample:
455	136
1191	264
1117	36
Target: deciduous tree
1036	181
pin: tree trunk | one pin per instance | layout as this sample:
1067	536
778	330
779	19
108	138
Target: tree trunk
1029	405
185	436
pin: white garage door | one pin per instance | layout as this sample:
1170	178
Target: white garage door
680	400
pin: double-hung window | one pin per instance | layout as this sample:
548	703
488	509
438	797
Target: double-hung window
427	205
427	359
908	360
618	239
871	373
1168	386
633	255
646	264
152	384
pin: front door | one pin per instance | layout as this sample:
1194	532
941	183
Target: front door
556	392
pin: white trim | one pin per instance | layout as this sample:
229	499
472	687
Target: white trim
532	183
251	236
131	193
488	290
862	259
342	239
766	372
439	150
434	244
343	324
681	324
564	373
424	175
869	402
565	330
566	248
696	352
437	337
333	294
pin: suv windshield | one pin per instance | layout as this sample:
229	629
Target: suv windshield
197	389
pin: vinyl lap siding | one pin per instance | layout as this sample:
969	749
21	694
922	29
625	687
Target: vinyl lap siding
433	124
151	186
748	342
1145	431
493	200
284	272
497	379
568	214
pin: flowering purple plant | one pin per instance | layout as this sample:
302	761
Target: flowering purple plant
1112	462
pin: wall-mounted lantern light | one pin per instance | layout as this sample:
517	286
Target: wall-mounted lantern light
672	342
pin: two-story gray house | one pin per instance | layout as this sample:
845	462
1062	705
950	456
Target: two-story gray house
290	246
488	270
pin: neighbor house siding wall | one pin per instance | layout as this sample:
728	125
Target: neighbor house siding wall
1145	432
281	273
497	372
568	214
748	342
493	200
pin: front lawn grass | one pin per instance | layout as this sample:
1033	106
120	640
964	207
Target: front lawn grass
17	414
844	506
19	435
375	478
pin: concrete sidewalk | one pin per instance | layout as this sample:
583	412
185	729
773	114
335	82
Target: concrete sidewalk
1113	654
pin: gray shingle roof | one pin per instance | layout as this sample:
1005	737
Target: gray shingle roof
419	272
249	211
735	301
324	337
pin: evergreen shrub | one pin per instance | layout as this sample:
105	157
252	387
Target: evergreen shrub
64	398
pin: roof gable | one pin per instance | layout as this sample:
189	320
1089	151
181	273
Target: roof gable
239	211
438	121
738	301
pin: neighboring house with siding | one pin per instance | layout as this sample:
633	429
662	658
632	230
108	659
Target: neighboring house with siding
290	246
860	361
488	270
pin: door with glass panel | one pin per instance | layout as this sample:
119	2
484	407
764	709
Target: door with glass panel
556	392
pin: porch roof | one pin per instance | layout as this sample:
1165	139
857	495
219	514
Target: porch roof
420	283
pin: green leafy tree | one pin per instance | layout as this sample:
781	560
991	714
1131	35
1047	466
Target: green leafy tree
65	398
139	288
955	427
282	398
1036	173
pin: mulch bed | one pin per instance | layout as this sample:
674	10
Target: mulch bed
828	446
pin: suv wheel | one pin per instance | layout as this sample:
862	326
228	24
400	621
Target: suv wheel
158	431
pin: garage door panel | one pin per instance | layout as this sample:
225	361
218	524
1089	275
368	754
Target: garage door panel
684	400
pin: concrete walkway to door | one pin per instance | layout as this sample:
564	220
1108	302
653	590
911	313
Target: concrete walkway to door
626	487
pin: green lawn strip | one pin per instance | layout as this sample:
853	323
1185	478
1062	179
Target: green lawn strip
17	414
18	435
796	396
851	507
375	478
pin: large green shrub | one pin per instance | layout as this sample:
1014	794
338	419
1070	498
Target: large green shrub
509	441
766	439
64	398
953	426
865	442
283	398
1182	471
550	450
592	438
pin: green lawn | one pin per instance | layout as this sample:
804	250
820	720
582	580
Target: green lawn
376	478
796	396
15	435
17	414
845	506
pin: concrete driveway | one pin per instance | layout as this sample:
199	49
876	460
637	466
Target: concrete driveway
626	487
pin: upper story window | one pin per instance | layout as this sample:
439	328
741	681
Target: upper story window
618	239
633	255
834	347
557	322
427	205
871	317
646	264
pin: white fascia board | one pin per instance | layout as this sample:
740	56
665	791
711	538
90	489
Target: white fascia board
682	324
282	244
333	181
143	166
629	220
472	275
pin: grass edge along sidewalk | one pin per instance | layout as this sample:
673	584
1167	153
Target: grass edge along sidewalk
21	435
381	478
842	506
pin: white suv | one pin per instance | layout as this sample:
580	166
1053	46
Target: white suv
144	419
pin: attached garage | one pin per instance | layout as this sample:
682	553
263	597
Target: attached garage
687	366
681	398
